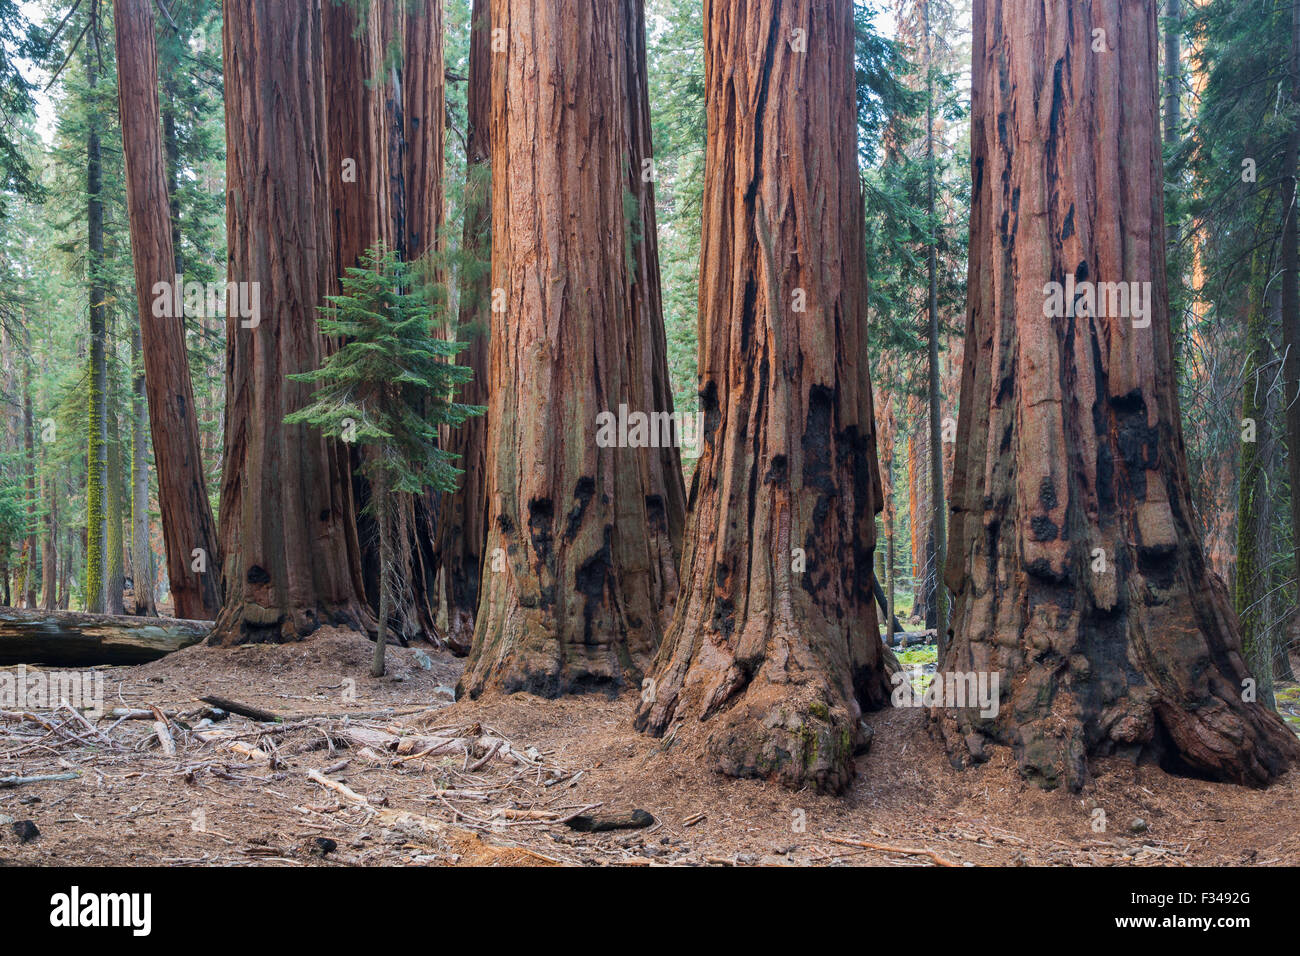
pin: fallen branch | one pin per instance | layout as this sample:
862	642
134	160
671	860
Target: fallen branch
164	733
862	844
40	778
341	789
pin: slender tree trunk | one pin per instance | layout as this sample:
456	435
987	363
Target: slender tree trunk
189	532
286	508
97	428
383	518
114	572
29	445
1173	104
49	542
141	554
937	522
1078	571
1252	577
573	609
462	523
775	645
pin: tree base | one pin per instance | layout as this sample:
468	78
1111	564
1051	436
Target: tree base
249	623
1178	705
527	657
796	739
800	732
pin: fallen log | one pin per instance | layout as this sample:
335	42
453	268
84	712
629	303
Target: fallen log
912	637
72	639
243	710
600	823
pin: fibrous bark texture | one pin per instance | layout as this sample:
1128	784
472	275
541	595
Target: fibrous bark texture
462	521
775	644
423	117
662	466
182	496
1078	574
567	602
286	510
385	118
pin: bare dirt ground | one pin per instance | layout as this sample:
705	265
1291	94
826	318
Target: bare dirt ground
426	781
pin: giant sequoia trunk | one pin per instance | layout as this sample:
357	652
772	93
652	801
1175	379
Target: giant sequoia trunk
775	645
1079	577
423	120
567	603
417	147
182	496
662	466
385	175
287	518
462	521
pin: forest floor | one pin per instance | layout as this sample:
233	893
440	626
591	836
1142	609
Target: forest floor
432	782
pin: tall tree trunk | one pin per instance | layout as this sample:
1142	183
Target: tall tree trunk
1078	572
97	427
189	532
141	554
424	122
49	541
1290	268
574	609
937	522
114	572
462	522
416	153
383	518
286	508
1173	101
359	191
775	643
385	142
662	466
1252	577
29	446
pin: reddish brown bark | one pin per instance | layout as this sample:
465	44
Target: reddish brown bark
417	145
424	111
661	467
462	524
182	496
286	510
573	608
357	139
385	143
778	663
1069	444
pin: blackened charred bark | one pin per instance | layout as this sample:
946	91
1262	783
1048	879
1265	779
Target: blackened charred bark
1078	572
775	651
570	606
